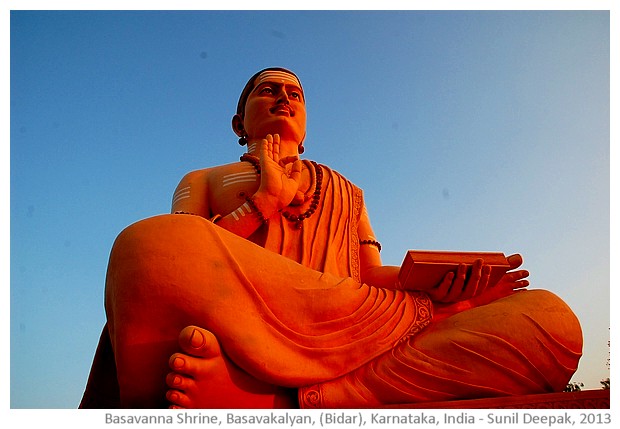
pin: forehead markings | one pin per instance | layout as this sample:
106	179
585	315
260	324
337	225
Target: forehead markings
277	76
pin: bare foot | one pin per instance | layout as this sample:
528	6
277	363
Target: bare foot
203	377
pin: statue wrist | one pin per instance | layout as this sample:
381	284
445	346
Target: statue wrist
266	203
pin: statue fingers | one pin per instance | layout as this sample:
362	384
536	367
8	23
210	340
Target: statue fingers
475	281
515	261
439	292
269	139
521	284
295	166
456	290
275	144
296	169
514	276
484	279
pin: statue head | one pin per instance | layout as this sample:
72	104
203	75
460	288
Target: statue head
258	115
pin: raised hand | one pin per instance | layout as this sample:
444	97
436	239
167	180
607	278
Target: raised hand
280	175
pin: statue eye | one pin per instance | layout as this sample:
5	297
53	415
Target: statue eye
266	90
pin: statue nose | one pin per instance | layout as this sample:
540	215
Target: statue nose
283	97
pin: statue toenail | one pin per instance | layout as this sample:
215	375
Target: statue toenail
197	340
176	380
178	362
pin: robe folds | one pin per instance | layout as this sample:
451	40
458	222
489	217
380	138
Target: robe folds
526	343
288	307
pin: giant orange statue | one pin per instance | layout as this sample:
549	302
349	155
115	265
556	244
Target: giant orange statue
265	288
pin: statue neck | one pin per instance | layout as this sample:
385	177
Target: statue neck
287	148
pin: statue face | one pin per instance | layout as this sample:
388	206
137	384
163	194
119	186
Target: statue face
276	105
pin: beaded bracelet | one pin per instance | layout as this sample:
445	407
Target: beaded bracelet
372	243
252	204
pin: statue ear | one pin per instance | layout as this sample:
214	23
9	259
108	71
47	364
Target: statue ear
237	125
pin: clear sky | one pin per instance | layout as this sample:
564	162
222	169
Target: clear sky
468	130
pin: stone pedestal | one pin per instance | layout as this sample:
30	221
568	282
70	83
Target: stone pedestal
586	399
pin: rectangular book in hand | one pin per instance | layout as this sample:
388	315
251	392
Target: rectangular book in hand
425	269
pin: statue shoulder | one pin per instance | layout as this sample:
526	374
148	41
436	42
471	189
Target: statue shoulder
194	193
205	175
337	175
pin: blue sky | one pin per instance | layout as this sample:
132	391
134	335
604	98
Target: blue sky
468	130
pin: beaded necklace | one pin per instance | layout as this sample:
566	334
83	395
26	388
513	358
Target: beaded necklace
297	219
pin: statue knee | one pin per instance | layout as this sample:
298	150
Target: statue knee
152	261
160	235
558	331
142	251
135	241
150	247
547	305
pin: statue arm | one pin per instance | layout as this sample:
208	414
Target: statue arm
458	289
384	276
193	196
372	270
190	195
374	273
